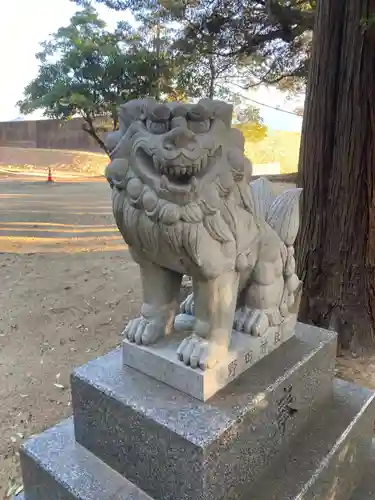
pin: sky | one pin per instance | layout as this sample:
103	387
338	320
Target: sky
24	24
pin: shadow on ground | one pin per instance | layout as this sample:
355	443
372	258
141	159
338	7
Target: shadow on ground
67	217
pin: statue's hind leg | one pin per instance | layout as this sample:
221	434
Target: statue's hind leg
161	288
261	309
263	296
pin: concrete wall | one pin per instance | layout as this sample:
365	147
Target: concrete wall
47	134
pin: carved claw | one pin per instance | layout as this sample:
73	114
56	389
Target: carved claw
251	321
198	352
187	306
257	324
144	331
275	317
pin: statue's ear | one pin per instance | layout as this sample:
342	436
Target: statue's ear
131	112
219	109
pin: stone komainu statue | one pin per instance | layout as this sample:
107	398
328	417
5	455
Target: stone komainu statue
184	204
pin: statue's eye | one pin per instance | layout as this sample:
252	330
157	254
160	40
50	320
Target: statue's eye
199	127
157	127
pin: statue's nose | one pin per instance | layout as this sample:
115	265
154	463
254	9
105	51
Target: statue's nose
180	138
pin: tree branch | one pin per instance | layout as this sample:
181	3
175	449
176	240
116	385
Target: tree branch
90	129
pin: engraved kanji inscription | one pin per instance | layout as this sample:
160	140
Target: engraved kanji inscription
277	337
263	346
285	410
232	367
248	357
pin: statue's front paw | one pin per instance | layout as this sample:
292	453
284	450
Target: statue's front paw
198	352
143	331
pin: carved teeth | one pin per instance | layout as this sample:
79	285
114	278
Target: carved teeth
164	182
194	183
179	170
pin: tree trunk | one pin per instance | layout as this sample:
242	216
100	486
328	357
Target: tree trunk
157	43
90	129
212	67
211	88
336	245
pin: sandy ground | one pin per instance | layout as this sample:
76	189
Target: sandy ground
67	286
36	159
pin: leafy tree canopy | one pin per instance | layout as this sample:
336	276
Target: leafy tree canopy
87	71
267	41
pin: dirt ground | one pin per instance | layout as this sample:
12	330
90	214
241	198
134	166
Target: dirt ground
67	286
38	160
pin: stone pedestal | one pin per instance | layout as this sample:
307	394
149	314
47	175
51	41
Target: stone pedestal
161	363
283	429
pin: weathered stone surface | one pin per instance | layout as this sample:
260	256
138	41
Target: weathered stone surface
160	361
176	447
327	460
183	204
55	467
366	490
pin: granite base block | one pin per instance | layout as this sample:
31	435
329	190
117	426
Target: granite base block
160	361
55	467
326	461
176	447
366	489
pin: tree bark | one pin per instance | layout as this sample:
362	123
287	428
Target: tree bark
211	88
157	44
90	129
336	245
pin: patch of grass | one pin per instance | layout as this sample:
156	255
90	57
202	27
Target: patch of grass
277	147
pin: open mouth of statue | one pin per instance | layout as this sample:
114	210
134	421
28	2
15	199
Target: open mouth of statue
179	170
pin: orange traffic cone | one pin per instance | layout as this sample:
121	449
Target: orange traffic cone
49	178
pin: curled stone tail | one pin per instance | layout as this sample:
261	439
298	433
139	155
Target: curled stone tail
283	215
281	212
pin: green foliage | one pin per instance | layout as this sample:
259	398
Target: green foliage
250	42
261	42
248	114
112	4
252	131
248	120
88	71
367	22
276	147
